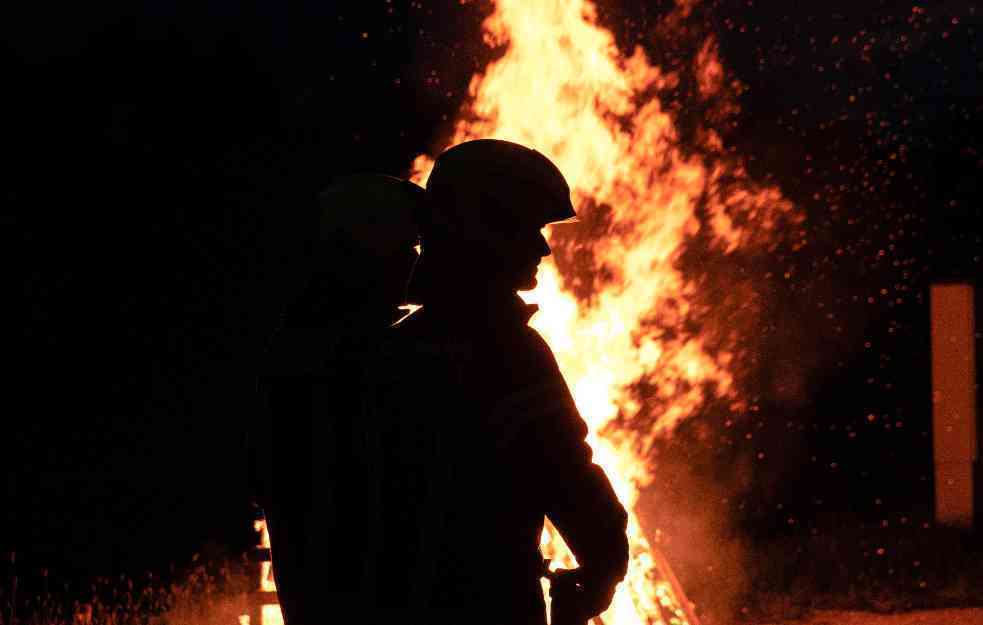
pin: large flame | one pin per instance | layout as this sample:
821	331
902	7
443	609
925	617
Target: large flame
563	88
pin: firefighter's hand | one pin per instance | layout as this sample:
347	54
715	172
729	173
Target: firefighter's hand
576	597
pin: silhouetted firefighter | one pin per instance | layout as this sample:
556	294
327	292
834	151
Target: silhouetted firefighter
480	438
310	468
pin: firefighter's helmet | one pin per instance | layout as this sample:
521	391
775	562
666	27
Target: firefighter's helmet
486	187
374	213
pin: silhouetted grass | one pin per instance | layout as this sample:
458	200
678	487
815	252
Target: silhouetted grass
202	593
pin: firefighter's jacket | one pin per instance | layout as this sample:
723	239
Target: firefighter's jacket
437	448
309	468
479	408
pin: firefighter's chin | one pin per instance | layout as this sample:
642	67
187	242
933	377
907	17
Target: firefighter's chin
528	282
528	286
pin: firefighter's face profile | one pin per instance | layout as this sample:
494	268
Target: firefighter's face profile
528	247
521	244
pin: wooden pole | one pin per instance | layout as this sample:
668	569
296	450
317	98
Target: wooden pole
954	429
677	589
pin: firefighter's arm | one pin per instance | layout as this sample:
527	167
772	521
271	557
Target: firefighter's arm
580	500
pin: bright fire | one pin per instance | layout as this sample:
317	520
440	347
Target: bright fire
563	88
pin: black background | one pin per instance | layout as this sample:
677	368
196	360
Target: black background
162	163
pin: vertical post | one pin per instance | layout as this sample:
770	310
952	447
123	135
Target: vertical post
954	435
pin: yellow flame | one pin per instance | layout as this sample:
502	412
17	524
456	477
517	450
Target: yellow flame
271	614
563	88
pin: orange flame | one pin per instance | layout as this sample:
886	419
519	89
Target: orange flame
563	88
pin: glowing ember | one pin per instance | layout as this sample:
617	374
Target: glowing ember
563	87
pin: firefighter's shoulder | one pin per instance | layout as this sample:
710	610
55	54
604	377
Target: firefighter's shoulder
538	396
533	356
297	353
420	335
313	352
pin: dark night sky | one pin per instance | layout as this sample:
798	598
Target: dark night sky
163	159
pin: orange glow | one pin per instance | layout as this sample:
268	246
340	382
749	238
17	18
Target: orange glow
563	88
